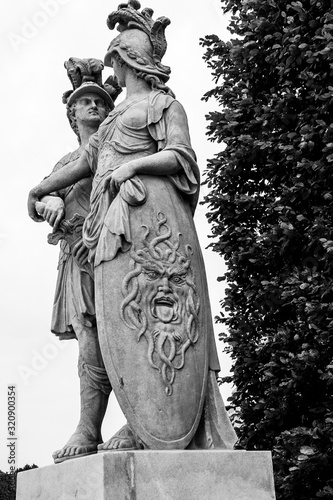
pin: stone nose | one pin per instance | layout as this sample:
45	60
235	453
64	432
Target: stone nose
164	286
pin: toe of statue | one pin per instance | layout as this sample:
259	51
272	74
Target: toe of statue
78	446
123	440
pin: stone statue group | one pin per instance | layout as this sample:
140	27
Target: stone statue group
131	285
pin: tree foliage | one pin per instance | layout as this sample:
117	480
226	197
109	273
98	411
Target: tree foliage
8	482
270	206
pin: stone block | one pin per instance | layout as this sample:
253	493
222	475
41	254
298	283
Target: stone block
154	475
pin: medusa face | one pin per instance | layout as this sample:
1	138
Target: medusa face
160	299
164	290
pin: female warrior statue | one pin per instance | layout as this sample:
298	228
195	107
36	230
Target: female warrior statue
152	304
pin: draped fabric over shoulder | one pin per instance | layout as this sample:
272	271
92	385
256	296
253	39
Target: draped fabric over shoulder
165	128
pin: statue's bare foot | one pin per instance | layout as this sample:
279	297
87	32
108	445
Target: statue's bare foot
123	440
79	445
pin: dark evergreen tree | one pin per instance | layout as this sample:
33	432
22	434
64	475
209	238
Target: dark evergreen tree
271	209
7	486
8	482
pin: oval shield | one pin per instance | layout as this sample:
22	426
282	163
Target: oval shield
154	319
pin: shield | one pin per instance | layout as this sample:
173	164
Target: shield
154	320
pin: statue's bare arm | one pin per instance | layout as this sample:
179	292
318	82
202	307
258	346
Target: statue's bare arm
66	176
161	163
164	162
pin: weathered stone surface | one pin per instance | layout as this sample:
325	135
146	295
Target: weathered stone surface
153	317
154	475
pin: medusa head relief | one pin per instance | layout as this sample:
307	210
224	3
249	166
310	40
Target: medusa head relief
160	299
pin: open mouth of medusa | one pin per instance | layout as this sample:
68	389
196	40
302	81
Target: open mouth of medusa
164	308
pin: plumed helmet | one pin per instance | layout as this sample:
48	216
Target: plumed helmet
86	76
141	43
86	87
135	48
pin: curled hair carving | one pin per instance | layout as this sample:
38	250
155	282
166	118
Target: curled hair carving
167	341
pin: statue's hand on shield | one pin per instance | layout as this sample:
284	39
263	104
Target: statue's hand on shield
119	175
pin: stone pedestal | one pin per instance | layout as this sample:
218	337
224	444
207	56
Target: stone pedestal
153	475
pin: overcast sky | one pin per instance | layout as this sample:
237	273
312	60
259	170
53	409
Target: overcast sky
37	36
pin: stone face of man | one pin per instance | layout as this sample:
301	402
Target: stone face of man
90	109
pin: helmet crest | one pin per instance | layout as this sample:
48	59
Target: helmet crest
128	17
86	75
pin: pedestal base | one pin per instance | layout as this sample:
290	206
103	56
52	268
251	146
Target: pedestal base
153	475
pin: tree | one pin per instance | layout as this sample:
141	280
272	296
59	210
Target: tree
8	482
270	206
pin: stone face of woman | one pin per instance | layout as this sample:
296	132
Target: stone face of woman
119	69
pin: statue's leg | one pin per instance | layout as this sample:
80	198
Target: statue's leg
94	394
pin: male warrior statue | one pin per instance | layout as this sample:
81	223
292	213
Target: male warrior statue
65	210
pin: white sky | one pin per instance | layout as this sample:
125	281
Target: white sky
37	36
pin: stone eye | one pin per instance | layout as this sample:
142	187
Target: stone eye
177	280
152	275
